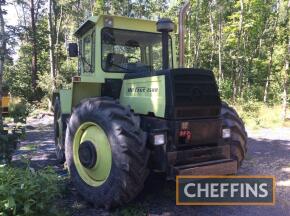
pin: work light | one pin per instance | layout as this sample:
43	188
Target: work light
159	139
226	133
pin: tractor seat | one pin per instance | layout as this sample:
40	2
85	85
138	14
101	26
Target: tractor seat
115	59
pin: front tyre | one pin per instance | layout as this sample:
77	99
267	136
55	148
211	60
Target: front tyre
106	152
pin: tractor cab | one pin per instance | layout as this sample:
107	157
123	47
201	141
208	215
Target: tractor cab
113	46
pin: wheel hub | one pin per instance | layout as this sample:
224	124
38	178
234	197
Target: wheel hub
87	154
92	154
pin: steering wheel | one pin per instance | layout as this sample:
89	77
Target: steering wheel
133	57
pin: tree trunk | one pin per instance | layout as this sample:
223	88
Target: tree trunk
92	4
240	69
287	69
235	81
211	18
3	40
285	95
197	35
265	98
189	60
220	78
34	45
51	46
59	26
267	85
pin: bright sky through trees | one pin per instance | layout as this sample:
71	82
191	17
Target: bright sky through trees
11	17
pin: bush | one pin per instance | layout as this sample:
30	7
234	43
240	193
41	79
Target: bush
29	192
46	83
10	135
18	109
251	108
226	89
259	115
8	143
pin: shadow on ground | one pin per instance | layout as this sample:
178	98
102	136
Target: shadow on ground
265	156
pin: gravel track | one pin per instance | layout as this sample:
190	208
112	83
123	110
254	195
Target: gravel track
268	154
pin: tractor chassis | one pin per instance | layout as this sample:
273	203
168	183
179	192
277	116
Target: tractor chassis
207	154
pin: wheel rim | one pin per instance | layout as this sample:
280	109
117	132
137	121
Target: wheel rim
99	169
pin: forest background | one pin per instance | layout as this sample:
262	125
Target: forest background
245	42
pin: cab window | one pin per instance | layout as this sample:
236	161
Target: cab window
88	53
129	51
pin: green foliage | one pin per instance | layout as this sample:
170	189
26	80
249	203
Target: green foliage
67	70
250	108
244	42
131	209
29	192
18	109
8	143
226	89
62	80
28	147
18	76
258	115
9	138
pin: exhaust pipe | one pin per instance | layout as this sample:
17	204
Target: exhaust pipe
181	32
165	26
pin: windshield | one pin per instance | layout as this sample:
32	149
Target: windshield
132	51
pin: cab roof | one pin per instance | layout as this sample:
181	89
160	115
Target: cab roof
119	22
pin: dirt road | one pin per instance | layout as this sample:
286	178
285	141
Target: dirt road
268	154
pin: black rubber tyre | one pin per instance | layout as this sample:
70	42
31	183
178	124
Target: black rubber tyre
59	139
239	135
129	153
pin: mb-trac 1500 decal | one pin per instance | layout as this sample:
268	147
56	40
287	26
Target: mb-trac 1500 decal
142	89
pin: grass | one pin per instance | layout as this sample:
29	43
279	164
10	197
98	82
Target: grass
37	112
258	115
29	147
130	210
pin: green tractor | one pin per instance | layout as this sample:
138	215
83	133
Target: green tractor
132	110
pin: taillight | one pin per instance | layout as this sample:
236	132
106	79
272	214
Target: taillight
76	79
185	136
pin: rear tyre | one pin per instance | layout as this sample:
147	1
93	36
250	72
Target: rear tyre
239	136
114	169
59	132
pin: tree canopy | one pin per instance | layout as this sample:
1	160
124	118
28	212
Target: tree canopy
246	43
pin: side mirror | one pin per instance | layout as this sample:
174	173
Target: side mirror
73	50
